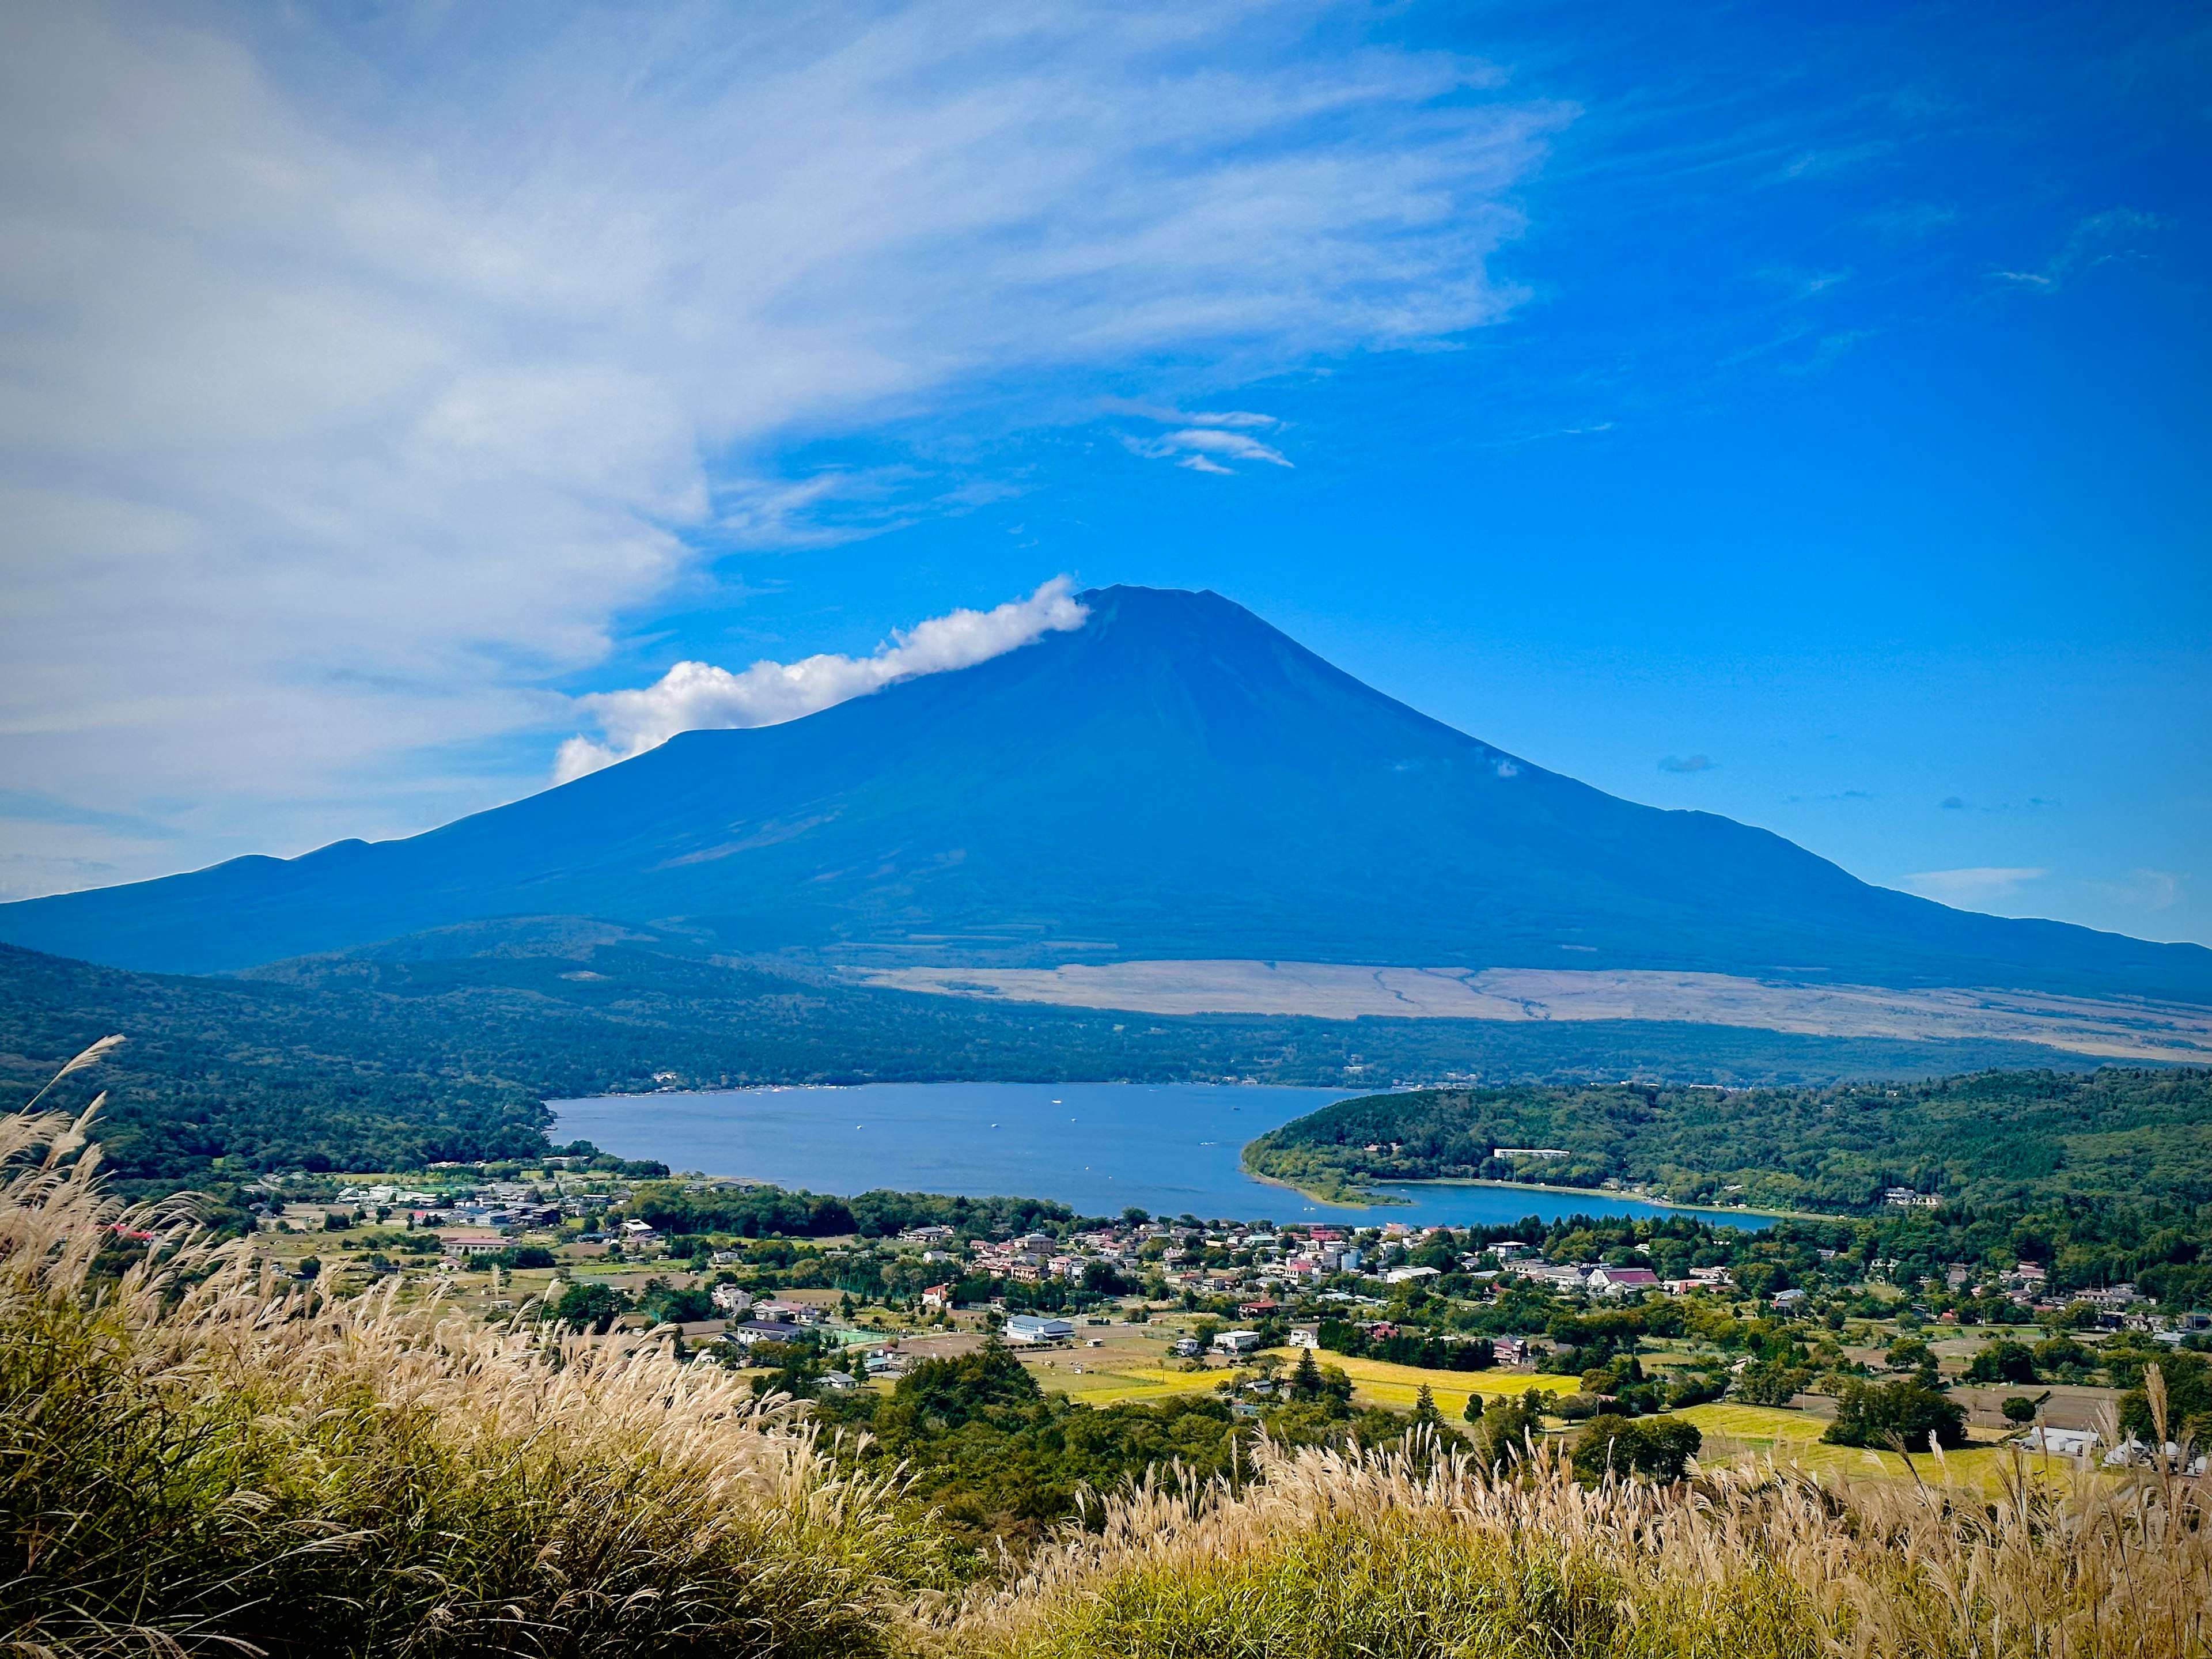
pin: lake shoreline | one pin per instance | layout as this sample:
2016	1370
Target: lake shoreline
1369	1200
1640	1198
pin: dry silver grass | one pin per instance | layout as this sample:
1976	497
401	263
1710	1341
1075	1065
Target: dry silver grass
1407	1555
205	1456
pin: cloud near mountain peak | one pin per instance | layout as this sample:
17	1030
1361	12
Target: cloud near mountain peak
695	696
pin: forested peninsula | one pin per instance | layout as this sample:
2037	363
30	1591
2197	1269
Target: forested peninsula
2141	1136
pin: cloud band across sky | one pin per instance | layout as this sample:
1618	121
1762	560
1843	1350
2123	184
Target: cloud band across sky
359	387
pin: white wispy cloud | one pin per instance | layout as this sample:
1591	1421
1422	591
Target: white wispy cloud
2101	239
1205	440
694	696
1965	889
362	377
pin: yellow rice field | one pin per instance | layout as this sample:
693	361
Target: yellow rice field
1380	1383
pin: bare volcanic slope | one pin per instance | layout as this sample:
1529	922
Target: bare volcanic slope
1176	780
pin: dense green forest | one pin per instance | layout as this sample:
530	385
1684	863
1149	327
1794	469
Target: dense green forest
395	1059
2140	1136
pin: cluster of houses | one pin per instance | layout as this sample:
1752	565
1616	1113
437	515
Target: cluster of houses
1261	1260
1904	1198
2027	1283
489	1204
1597	1278
1263	1263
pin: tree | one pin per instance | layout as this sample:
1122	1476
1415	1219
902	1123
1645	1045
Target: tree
1889	1414
2186	1380
1508	1428
1305	1379
2018	1409
1659	1450
2003	1362
1910	1353
592	1308
1425	1408
1773	1382
1102	1278
1474	1411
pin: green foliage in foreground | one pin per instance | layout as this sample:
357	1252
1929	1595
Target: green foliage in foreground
2138	1135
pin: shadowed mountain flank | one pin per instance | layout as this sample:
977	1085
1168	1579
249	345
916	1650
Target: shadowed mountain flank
1174	779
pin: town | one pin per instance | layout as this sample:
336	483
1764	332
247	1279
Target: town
1760	1338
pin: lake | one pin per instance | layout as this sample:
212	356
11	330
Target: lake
1099	1147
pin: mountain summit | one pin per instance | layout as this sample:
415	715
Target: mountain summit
1174	779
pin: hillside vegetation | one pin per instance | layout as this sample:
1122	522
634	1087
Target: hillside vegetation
2128	1136
446	1046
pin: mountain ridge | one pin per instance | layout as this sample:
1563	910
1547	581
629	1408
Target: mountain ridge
1174	778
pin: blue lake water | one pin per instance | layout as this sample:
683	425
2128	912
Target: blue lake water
1099	1147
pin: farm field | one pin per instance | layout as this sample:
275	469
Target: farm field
1133	1364
1734	1431
1378	1381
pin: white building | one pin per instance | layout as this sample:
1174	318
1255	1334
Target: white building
1038	1328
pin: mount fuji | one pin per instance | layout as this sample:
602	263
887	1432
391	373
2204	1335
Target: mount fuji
1174	780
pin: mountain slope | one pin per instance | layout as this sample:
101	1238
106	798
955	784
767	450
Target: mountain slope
1176	779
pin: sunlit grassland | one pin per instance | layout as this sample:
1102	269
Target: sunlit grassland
205	1455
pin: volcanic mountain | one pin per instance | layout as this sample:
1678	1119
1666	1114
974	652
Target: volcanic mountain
1174	779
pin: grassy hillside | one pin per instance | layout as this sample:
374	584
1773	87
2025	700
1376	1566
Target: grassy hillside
2133	1136
441	1047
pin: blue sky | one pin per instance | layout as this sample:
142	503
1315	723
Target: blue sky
1795	412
